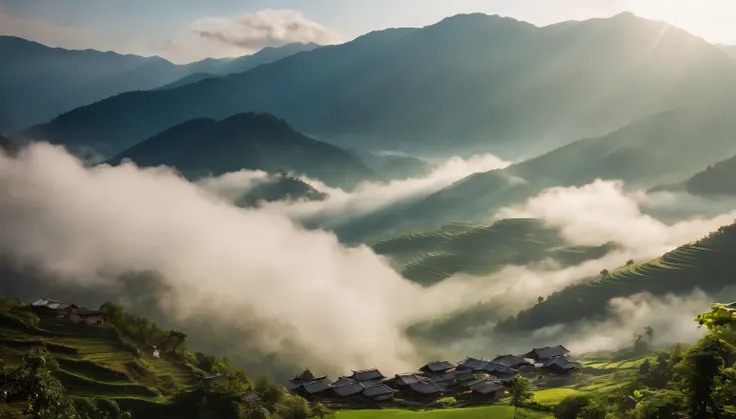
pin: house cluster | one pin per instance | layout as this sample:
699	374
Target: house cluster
69	311
470	379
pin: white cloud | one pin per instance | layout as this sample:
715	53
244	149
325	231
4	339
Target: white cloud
264	28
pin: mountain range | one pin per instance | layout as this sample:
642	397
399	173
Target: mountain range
466	84
39	82
203	147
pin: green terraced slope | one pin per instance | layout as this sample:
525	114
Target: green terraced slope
707	264
432	256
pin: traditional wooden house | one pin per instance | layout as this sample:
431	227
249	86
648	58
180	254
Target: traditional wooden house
426	389
88	317
512	361
311	390
487	390
367	375
379	393
464	376
54	308
437	367
405	380
343	381
471	364
560	366
546	353
349	391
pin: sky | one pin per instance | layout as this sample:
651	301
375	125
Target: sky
190	30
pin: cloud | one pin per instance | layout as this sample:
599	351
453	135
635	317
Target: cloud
264	28
603	211
342	206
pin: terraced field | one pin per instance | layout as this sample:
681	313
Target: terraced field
93	365
707	264
432	256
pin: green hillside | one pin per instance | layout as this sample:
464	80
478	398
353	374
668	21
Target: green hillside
660	149
715	180
112	366
432	256
707	264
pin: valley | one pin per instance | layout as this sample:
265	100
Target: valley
485	215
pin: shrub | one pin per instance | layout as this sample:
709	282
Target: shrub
447	401
581	406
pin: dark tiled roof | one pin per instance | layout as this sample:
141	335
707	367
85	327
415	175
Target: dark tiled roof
492	368
343	381
510	360
486	387
317	386
407	379
83	312
471	363
465	375
547	352
367	375
427	387
349	390
563	363
438	366
378	390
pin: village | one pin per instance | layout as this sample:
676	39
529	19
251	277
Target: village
472	380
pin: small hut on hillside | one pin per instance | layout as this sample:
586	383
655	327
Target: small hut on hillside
512	361
437	367
560	366
311	390
546	353
88	317
405	380
367	375
54	308
379	393
487	390
425	390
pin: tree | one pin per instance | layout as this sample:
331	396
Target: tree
645	367
702	372
630	262
540	299
649	332
521	391
605	272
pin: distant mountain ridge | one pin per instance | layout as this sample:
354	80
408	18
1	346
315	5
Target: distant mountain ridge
714	181
466	84
39	82
204	147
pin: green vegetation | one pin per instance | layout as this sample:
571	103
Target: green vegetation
707	263
432	256
112	368
495	411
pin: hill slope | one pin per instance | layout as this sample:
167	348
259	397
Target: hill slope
662	148
706	264
203	147
39	82
430	257
715	180
485	82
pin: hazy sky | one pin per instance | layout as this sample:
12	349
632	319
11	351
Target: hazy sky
187	30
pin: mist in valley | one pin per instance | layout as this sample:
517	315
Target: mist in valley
254	280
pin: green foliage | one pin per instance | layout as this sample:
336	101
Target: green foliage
447	401
587	406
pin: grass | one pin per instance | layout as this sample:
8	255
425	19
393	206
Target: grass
553	396
496	411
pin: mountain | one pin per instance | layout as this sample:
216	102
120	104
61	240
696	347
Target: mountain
202	147
729	49
7	144
466	84
281	188
192	78
659	149
433	256
392	166
39	82
715	180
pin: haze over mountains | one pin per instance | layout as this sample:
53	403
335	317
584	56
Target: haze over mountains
349	179
468	83
38	82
